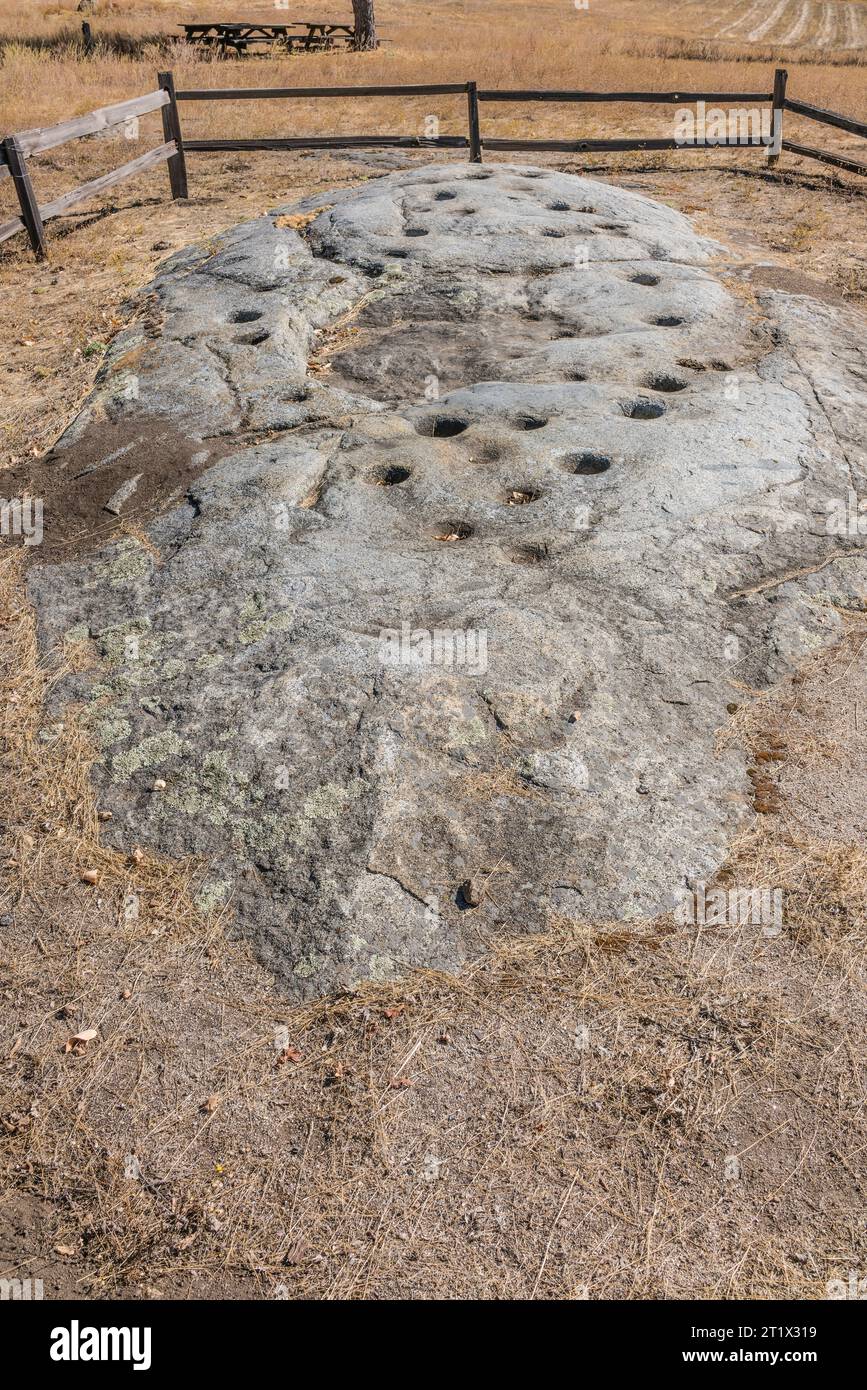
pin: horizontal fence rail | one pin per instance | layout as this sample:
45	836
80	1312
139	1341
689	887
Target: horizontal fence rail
652	98
816	113
838	160
16	150
333	142
37	141
666	142
275	93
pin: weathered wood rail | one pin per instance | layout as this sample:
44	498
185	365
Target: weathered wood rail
16	150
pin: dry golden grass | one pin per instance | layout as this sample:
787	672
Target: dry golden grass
560	1121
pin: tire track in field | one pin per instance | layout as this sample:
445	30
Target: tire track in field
828	27
804	16
745	17
855	15
769	23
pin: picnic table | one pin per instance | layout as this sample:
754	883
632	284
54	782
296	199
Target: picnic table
295	36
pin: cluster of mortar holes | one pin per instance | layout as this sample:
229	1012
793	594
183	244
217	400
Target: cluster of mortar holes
451	530
415	231
441	426
521	496
587	464
444	195
664	381
530	422
528	554
389	475
644	277
666	321
246	316
642	408
259	335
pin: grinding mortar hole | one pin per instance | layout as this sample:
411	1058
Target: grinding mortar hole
663	381
480	176
643	409
452	530
245	316
528	554
553	231
644	278
558	206
415	231
576	376
695	365
443	195
259	335
529	422
521	496
612	227
389	475
441	426
666	321
586	464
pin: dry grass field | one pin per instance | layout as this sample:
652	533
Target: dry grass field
590	1113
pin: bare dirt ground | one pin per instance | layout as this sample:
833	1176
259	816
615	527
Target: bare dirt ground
663	1111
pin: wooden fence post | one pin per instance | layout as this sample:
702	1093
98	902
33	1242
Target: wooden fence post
473	113
779	105
172	131
30	214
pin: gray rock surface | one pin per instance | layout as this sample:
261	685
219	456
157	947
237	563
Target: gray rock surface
508	405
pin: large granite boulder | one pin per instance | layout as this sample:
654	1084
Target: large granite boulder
473	497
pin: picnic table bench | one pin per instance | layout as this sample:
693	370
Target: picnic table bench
295	36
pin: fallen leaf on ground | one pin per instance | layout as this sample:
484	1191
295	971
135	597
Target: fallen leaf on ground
78	1042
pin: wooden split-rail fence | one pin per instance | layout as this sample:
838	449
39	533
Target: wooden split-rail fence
17	150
